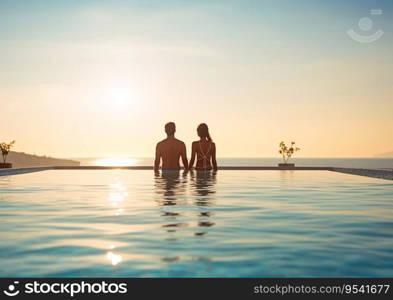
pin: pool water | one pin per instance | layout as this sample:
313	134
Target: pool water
128	223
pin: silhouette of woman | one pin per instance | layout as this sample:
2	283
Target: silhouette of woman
204	150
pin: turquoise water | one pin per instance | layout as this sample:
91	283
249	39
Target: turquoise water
114	223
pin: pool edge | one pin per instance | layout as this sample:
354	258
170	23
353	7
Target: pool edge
375	173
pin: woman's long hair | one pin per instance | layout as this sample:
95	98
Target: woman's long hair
203	132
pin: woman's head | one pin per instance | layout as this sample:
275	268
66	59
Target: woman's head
203	132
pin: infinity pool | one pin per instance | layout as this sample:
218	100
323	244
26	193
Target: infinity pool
125	223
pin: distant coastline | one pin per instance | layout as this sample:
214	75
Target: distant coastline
385	155
24	160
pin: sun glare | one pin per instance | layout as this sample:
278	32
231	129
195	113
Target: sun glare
119	96
116	162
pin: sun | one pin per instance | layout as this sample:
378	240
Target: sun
119	97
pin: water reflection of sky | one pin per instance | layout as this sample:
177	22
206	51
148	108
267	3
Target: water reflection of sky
233	223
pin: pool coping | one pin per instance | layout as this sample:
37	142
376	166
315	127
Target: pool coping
375	173
17	171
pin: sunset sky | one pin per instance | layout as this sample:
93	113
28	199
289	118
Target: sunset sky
101	78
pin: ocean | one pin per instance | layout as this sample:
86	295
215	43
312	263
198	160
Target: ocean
251	161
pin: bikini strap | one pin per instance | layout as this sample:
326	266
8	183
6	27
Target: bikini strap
204	155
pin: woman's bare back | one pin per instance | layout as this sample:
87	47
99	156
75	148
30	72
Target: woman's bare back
204	151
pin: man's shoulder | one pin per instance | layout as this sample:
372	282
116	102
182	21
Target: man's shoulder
172	141
179	142
161	142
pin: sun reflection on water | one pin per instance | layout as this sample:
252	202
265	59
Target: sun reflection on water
117	194
116	162
114	258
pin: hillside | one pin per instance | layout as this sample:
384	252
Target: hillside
385	155
21	160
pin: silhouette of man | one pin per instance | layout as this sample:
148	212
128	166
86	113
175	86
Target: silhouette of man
170	150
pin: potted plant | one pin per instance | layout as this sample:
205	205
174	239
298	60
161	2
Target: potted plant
286	153
5	149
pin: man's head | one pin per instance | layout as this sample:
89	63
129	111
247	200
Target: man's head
170	128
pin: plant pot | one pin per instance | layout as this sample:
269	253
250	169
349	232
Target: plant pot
286	166
5	165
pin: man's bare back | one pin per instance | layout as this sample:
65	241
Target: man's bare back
170	150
